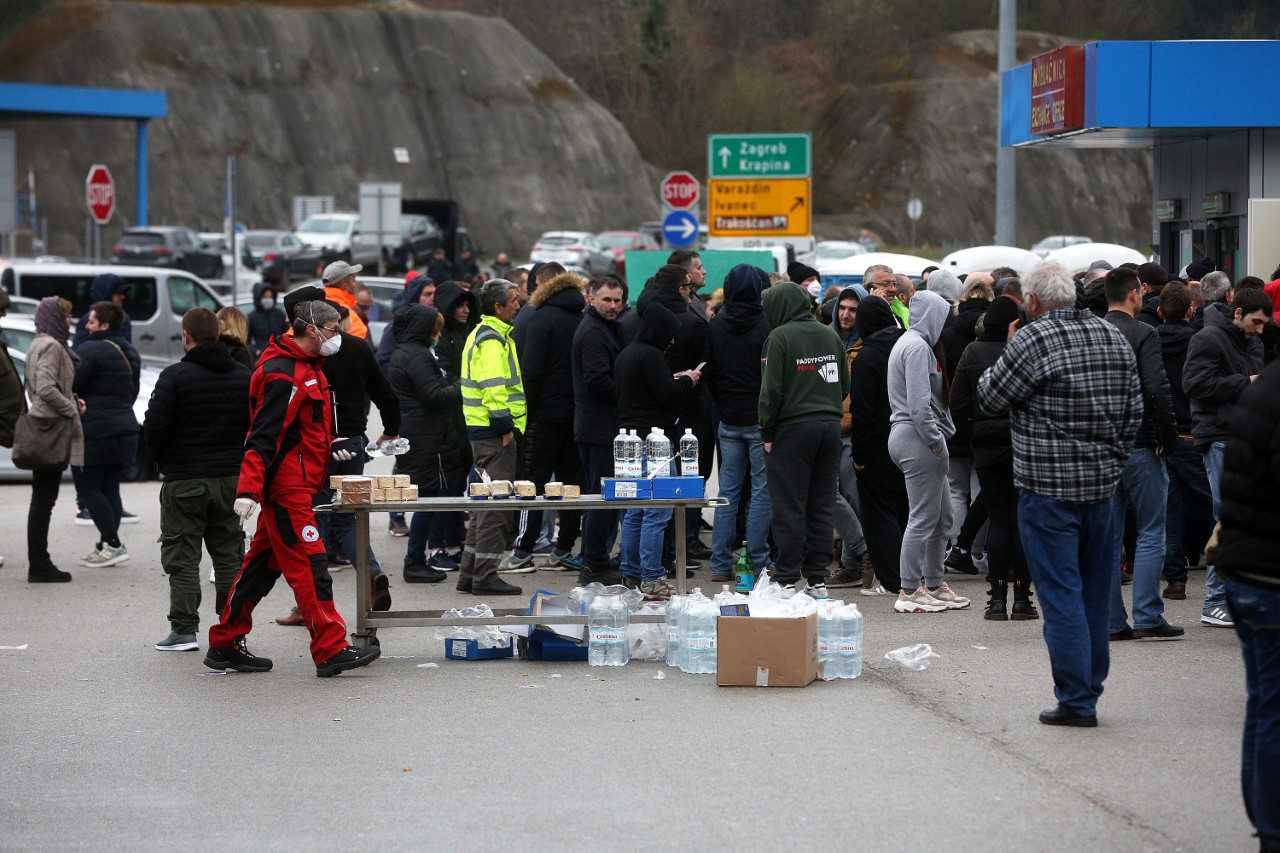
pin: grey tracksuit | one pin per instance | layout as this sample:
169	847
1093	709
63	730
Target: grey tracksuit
919	425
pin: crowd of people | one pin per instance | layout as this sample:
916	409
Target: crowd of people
1068	435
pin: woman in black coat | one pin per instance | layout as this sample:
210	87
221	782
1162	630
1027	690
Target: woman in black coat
107	378
431	418
993	460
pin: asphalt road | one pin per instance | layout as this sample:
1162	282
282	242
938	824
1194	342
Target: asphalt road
106	743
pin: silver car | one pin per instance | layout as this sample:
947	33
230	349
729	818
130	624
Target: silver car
572	248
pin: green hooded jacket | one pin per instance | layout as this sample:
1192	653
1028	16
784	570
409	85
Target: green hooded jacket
805	377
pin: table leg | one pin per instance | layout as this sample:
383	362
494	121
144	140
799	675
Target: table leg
363	635
681	551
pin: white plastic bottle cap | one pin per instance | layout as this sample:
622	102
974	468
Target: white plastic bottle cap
688	431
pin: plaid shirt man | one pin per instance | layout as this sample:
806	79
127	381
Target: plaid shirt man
1070	384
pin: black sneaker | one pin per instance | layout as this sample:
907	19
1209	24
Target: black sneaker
1125	633
127	517
47	574
398	528
960	561
381	593
1061	716
420	573
494	585
848	577
444	561
696	550
348	658
1163	631
237	657
84	519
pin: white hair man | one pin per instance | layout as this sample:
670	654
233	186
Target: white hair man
1069	382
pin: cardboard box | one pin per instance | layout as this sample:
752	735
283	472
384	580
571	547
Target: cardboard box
762	652
402	480
459	649
409	493
385	481
378	495
335	481
393	494
355	490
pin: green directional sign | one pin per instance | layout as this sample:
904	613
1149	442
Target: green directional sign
759	155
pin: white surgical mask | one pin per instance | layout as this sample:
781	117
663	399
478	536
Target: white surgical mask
266	304
332	345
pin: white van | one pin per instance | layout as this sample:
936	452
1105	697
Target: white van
156	300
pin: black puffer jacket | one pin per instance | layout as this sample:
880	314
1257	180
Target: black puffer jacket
107	380
238	351
1158	429
960	331
1220	360
869	382
355	379
646	389
735	345
1249	545
1175	339
454	337
199	415
690	346
264	324
545	348
1150	306
430	402
596	345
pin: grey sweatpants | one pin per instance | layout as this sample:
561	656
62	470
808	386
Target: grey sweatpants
924	540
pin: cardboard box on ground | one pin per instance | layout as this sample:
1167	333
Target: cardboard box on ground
753	651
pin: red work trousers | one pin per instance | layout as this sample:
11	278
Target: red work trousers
286	543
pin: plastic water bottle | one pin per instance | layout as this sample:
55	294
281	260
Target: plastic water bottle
700	638
391	447
658	449
621	451
619	652
849	641
675	610
635	455
603	632
744	573
826	641
688	454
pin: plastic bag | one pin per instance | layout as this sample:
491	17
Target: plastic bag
486	636
580	596
648	640
771	599
915	658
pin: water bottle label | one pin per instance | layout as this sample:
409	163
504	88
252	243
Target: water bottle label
824	648
700	644
673	636
846	647
606	635
689	468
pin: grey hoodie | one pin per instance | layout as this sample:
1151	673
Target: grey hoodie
916	393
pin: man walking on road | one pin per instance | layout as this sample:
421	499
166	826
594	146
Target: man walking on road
493	405
195	426
284	466
1068	373
801	392
1144	482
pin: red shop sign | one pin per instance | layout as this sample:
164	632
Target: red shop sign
1057	90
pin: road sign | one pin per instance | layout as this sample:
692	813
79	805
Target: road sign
679	190
759	155
915	207
773	208
680	229
100	193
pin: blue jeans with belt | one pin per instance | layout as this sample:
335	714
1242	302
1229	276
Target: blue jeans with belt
1256	611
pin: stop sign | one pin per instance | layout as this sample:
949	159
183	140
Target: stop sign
100	193
679	190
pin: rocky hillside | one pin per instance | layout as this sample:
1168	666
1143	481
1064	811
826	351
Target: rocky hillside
313	101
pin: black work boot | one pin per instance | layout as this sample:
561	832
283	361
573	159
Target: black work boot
1023	609
238	657
348	658
996	602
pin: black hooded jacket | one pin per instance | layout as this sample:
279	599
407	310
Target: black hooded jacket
869	384
735	345
430	400
545	347
596	345
355	379
454	337
690	346
264	324
960	331
646	389
1158	429
107	379
198	415
409	296
1150	305
1220	360
101	289
985	436
1175	338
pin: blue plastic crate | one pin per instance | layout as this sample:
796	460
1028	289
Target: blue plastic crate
678	487
470	650
544	644
625	489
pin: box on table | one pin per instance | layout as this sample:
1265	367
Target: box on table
355	490
461	649
409	493
385	481
678	487
766	652
625	489
335	481
393	495
377	495
402	480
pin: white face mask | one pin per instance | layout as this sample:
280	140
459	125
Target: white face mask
331	346
266	304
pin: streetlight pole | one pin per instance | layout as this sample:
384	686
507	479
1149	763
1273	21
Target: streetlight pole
1006	175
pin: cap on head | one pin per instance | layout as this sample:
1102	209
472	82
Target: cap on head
310	293
338	270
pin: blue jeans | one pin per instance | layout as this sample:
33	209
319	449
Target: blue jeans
1215	594
642	532
1071	550
741	447
1144	488
1256	611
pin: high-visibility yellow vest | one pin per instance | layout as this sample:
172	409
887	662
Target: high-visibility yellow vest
491	384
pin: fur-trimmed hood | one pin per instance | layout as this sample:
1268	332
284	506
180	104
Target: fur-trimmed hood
560	283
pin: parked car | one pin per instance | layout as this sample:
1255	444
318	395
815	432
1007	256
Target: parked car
618	243
419	237
835	250
273	249
850	270
217	242
579	248
338	236
155	301
19	331
143	468
167	246
1058	241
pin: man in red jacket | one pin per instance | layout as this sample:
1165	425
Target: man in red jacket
285	464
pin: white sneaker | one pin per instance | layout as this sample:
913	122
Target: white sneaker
876	588
919	601
948	596
107	556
